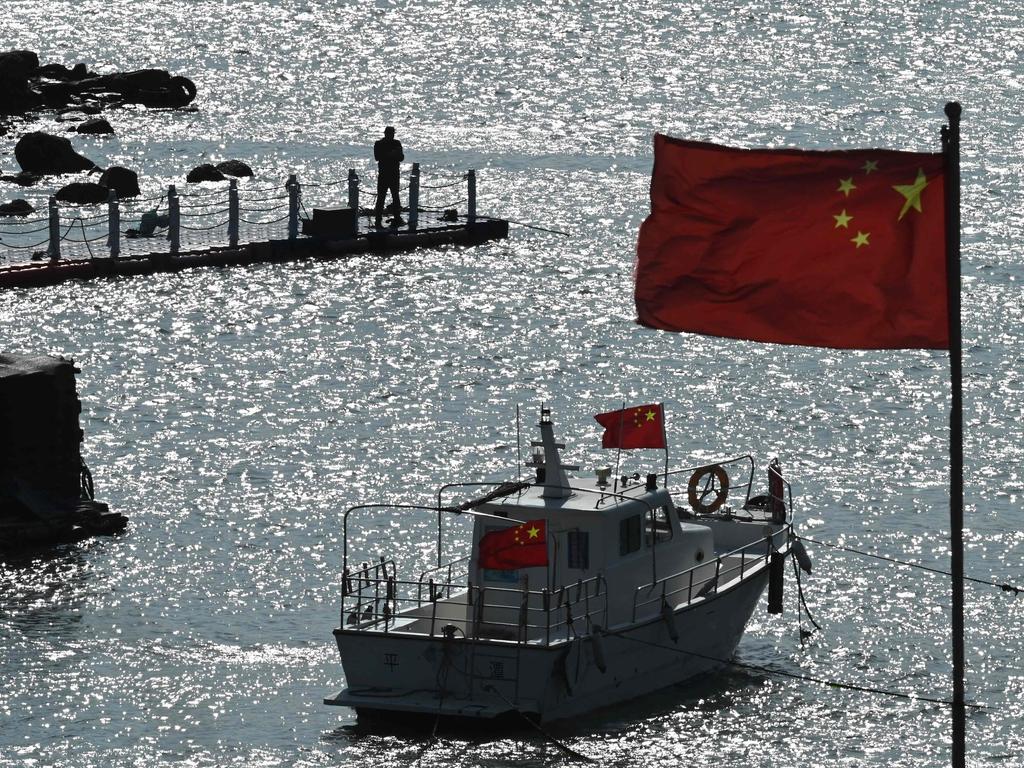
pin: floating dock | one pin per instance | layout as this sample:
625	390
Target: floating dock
175	231
53	271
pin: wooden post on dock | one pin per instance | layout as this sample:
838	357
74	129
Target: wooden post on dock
174	219
53	249
414	197
293	207
233	213
113	224
353	191
471	179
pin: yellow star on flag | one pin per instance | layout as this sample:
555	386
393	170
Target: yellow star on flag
912	193
651	415
842	219
846	186
869	166
861	239
533	532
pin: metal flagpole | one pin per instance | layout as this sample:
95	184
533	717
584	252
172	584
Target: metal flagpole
618	452
519	445
664	439
951	150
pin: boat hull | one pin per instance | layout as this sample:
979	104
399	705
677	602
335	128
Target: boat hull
468	678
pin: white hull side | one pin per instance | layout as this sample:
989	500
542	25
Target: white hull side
487	678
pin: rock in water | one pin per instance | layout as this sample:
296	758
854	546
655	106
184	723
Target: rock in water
152	87
234	168
97	125
83	193
18	64
22	179
40	152
204	172
60	72
16	207
124	181
137	80
15	95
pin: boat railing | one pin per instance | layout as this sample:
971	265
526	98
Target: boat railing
361	587
703	580
543	616
431	584
374	599
745	483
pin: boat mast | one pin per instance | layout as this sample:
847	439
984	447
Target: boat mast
555	479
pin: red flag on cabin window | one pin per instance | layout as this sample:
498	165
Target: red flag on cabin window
642	426
838	249
524	546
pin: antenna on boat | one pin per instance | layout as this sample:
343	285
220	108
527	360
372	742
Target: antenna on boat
555	479
664	439
618	452
519	444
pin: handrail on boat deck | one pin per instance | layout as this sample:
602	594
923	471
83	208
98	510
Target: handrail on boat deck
540	615
447	584
710	584
514	487
412	507
750	475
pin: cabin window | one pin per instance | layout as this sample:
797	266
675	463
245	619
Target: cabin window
629	535
578	549
659	528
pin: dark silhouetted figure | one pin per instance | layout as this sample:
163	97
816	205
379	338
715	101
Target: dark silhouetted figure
388	154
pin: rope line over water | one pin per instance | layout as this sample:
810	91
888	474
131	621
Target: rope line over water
562	747
1006	587
795	676
525	224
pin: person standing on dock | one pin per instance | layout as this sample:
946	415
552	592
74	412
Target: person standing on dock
388	154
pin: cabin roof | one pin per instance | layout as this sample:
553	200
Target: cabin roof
585	498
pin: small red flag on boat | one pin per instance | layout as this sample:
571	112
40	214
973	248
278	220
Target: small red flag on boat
840	249
642	426
524	546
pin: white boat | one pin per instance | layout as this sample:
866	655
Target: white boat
638	593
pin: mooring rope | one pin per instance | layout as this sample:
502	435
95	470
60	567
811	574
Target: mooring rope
8	246
215	225
203	213
25	231
523	224
461	180
85	239
802	603
1005	587
563	747
794	676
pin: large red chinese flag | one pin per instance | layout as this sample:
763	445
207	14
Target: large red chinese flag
640	427
832	249
524	546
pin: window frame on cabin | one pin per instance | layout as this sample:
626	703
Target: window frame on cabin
658	525
630	532
577	550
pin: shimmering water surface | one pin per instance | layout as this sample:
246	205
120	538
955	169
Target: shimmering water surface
233	414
